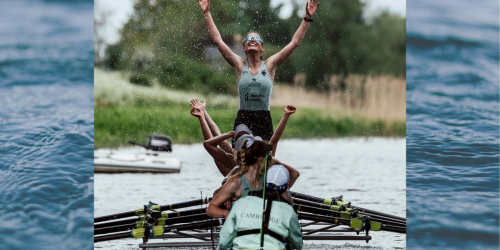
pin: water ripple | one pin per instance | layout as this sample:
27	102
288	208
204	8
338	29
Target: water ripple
46	126
452	127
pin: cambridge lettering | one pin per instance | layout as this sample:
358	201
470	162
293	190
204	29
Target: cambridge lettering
259	217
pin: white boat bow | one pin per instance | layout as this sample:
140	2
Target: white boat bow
134	161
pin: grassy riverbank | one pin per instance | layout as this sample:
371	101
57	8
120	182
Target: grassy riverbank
125	112
117	124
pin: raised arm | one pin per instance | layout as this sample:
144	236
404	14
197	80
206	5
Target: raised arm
234	60
277	59
205	130
214	129
218	154
289	110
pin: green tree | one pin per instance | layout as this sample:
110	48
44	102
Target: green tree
331	44
340	41
388	45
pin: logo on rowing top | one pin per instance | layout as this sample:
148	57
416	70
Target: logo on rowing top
253	79
263	72
244	72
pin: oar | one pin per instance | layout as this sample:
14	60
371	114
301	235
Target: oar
327	201
158	230
339	212
184	219
140	211
343	215
353	223
164	215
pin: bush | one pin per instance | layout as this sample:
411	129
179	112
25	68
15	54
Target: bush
222	83
189	74
140	79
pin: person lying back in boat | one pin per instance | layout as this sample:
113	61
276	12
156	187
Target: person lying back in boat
216	143
243	224
242	133
255	75
249	178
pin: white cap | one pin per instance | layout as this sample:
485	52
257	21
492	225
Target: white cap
249	138
241	128
278	175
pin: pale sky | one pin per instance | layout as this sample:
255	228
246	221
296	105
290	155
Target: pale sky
120	11
372	6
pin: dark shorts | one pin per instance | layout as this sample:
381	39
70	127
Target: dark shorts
259	121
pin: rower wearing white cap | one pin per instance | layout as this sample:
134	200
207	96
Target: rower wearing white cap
246	227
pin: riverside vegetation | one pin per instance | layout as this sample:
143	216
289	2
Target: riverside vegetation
124	111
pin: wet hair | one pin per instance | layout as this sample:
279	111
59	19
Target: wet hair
261	58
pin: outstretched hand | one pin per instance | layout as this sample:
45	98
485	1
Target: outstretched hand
311	8
198	105
204	5
196	112
290	109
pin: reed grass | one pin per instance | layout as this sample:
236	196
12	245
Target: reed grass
376	97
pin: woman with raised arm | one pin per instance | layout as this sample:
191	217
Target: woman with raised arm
255	75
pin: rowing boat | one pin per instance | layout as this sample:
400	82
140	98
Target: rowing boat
134	161
150	157
321	219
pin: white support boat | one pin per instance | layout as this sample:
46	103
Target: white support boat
149	158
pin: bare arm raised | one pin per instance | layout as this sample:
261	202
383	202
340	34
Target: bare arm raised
205	130
214	129
234	60
277	59
289	110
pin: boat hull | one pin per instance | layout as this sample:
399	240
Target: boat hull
113	169
137	162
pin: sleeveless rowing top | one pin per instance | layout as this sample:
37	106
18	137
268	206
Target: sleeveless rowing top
255	90
246	188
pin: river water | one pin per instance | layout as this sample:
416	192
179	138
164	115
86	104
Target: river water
46	124
453	124
369	172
